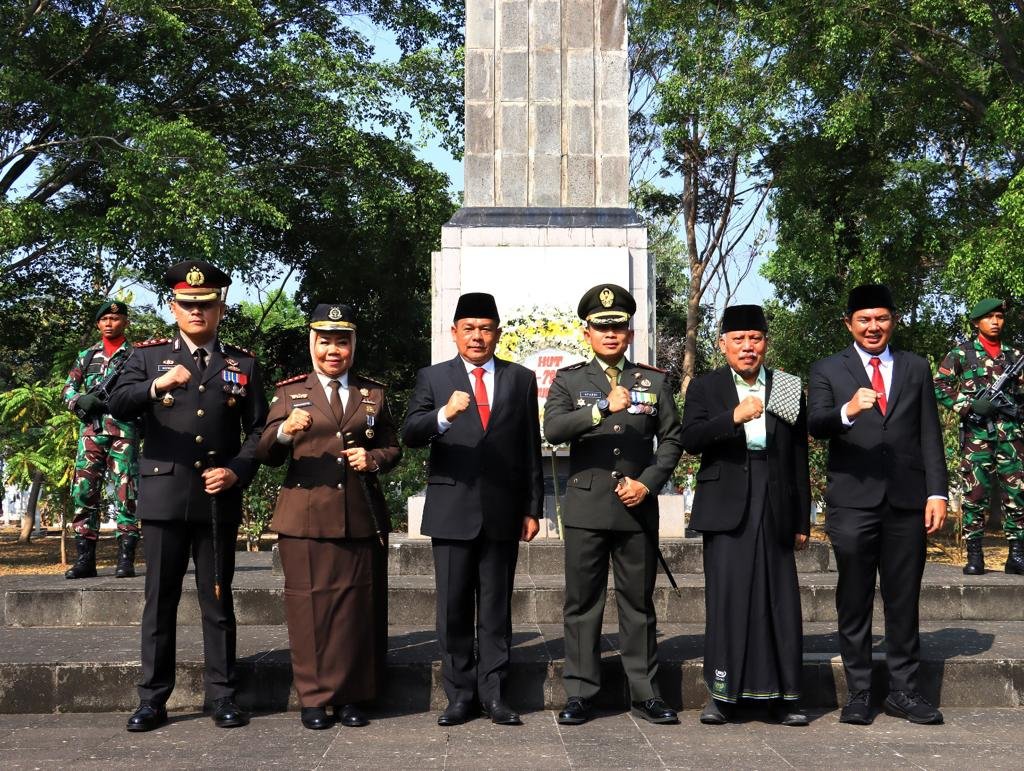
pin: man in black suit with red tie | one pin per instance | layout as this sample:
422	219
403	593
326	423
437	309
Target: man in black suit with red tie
485	493
887	488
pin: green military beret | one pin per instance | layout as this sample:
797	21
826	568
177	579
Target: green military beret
984	307
110	306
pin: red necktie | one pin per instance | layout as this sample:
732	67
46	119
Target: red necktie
480	394
877	383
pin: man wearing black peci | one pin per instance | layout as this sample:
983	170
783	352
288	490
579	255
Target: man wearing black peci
196	396
485	493
887	489
748	423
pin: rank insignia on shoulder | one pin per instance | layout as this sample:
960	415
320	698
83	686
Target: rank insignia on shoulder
650	367
571	367
293	379
154	341
238	348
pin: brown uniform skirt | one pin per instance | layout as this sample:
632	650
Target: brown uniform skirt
330	604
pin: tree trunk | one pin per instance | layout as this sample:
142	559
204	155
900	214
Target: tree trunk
29	517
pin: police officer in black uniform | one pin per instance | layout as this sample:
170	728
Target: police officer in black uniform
196	396
611	410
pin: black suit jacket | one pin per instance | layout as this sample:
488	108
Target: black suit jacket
898	456
205	416
478	480
720	500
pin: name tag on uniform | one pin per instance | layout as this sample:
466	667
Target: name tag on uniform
301	404
164	367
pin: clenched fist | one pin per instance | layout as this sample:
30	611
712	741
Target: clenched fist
176	378
297	420
747	410
618	399
863	399
360	459
457	404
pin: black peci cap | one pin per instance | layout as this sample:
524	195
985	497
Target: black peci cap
869	296
741	318
476	305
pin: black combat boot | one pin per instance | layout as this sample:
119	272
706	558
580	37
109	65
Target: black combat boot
126	556
975	558
85	565
1015	559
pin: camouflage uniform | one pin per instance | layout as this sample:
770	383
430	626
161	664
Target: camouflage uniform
995	450
112	449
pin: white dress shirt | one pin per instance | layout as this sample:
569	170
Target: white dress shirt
756	430
443	424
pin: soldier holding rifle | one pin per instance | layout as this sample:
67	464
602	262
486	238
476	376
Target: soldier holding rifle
196	395
980	380
105	445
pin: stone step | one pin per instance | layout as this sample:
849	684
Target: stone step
53	601
412	557
95	669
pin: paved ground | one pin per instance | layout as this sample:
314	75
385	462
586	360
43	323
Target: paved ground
979	738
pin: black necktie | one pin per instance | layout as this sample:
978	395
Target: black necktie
336	401
200	355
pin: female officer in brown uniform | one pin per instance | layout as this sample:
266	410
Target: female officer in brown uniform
335	429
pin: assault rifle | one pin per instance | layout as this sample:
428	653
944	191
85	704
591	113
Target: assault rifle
101	391
995	399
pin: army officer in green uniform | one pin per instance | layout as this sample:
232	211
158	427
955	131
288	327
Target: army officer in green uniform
610	410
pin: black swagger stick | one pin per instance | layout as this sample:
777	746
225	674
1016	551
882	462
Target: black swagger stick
211	462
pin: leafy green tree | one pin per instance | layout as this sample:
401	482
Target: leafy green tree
901	160
708	99
136	133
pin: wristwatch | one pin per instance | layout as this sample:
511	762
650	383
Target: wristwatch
604	408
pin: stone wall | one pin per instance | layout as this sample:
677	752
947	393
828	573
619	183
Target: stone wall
546	94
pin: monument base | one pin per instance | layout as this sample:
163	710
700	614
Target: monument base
672	519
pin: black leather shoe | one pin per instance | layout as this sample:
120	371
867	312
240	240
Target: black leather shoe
788	713
911	706
715	713
1015	559
577	711
315	718
351	716
858	709
501	714
655	711
227	714
147	717
457	713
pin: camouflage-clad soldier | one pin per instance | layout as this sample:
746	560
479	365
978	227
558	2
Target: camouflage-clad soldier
107	448
991	440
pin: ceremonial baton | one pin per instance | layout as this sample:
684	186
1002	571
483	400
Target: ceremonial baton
620	479
350	443
211	462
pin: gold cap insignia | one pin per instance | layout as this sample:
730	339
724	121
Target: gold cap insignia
607	297
195	277
114	308
334	314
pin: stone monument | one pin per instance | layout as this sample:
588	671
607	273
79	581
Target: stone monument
546	212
